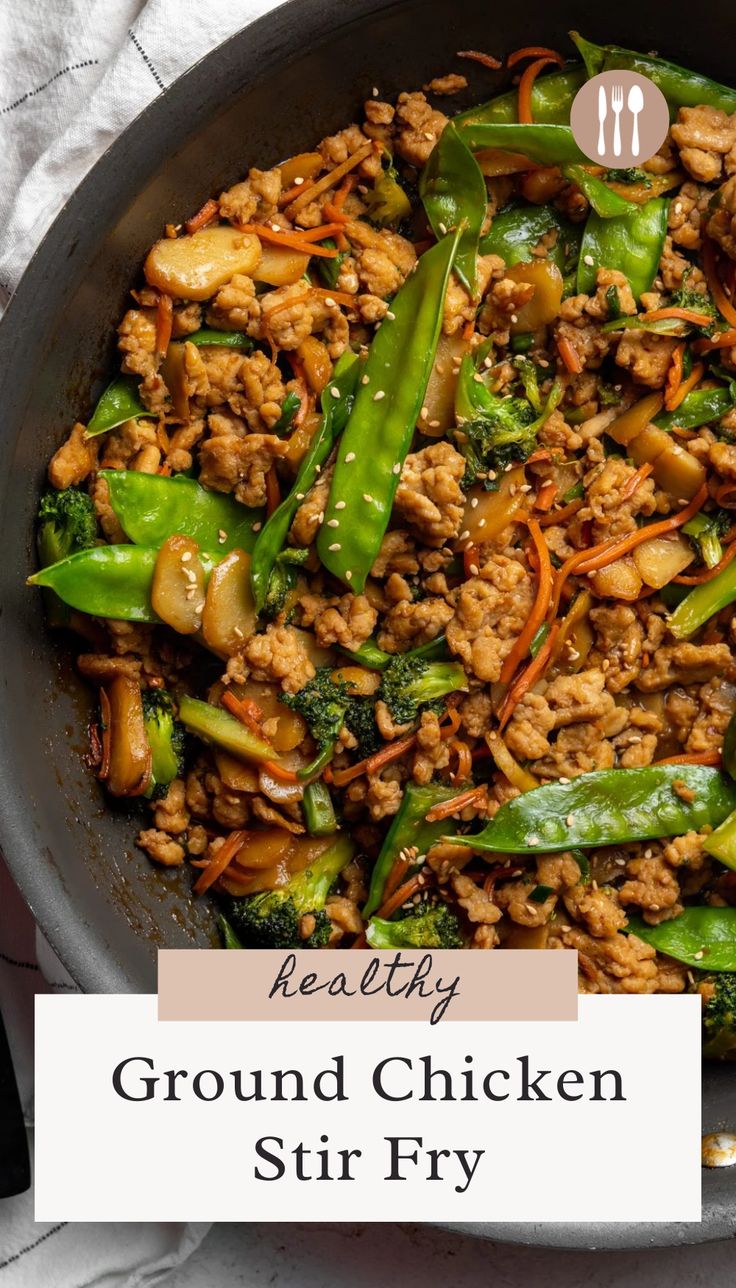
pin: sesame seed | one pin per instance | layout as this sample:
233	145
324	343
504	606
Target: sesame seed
474	569
335	391
364	380
199	608
374	92
335	546
186	556
434	424
397	468
569	820
350	456
330	302
277	228
256	527
465	536
424	413
237	631
318	469
429	137
222	536
647	854
442	227
514	317
473	502
481	523
525	487
321	516
190	576
298	181
563	780
699	955
333	523
367	497
478	378
543	362
348	575
378	395
588	259
339	505
391	316
532	840
491	474
300	496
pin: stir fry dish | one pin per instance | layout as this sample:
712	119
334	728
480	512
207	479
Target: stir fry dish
402	545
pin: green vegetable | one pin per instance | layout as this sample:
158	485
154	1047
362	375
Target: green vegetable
119	402
686	297
166	740
630	174
681	87
329	269
289	407
454	194
283	579
705	532
66	525
703	602
273	534
271	919
522	343
106	581
428	926
722	843
540	894
545	144
552	98
379	431
319	812
604	201
518	228
659	326
322	702
386	202
229	938
214	725
221	339
409	828
607	807
539	638
699	407
408	683
719	1015
495	430
704	938
375	659
631	243
574	493
150	508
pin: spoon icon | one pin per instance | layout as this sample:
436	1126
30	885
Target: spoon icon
635	103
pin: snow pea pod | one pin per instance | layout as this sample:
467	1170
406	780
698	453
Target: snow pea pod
698	408
552	98
151	508
631	243
607	807
722	843
272	537
517	229
409	828
221	339
703	602
703	938
453	191
680	86
545	144
375	659
381	424
603	200
119	402
108	581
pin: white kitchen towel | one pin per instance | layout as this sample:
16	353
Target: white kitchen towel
73	74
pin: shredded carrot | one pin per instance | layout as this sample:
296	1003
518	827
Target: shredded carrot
692	758
319	233
685	315
535	51
393	751
279	772
221	860
569	356
273	492
464	760
244	712
164	322
309	192
346	187
707	574
722	340
696	375
674	374
726	494
528	678
446	809
546	495
541	454
526	85
294	241
637	478
402	863
400	896
336	216
485	60
468	329
710	269
209	211
561	516
540	607
340	297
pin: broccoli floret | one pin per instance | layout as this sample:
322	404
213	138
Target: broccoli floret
705	532
66	524
409	682
386	202
719	1015
283	580
630	175
272	918
685	297
428	926
495	430
166	740
323	703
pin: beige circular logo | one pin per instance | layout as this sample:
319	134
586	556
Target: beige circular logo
619	119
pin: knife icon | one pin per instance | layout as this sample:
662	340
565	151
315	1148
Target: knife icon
602	112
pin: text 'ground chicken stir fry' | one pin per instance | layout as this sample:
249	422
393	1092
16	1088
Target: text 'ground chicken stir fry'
403	545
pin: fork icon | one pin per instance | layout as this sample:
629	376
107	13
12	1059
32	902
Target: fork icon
617	103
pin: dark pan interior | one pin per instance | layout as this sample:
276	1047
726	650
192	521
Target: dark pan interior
274	89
